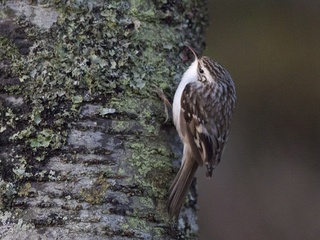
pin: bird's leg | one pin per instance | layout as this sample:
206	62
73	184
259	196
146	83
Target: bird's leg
165	100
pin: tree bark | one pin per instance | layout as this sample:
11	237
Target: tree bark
85	153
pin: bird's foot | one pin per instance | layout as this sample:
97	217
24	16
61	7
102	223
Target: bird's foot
165	100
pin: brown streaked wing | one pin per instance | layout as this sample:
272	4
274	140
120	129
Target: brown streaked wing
202	135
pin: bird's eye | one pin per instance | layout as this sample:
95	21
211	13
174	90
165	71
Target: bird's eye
201	71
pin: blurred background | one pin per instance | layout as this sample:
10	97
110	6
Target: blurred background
267	185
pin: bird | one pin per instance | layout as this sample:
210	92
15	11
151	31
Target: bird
202	108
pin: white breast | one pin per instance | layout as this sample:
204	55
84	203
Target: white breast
189	76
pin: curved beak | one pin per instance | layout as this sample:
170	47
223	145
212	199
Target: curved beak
194	52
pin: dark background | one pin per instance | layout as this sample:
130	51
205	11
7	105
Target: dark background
267	185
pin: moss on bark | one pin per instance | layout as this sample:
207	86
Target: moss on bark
78	110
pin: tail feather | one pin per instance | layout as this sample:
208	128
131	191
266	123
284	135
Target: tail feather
180	186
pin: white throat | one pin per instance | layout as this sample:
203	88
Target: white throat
191	75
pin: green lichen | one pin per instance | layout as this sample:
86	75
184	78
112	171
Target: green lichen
152	162
84	56
143	11
146	112
106	53
21	168
9	118
147	202
96	193
20	226
120	126
135	223
8	194
47	138
6	12
8	50
24	190
139	224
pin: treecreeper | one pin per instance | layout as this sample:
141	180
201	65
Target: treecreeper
202	109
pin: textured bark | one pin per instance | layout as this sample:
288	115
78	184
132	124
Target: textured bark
84	151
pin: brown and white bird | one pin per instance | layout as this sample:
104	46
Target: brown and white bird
202	108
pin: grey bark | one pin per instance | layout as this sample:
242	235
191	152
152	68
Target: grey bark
84	150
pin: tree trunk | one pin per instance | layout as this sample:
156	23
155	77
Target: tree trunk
85	153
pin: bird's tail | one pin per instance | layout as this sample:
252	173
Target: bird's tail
180	186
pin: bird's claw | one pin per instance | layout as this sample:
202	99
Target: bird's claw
163	97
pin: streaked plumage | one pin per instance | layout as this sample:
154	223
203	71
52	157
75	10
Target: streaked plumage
202	108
